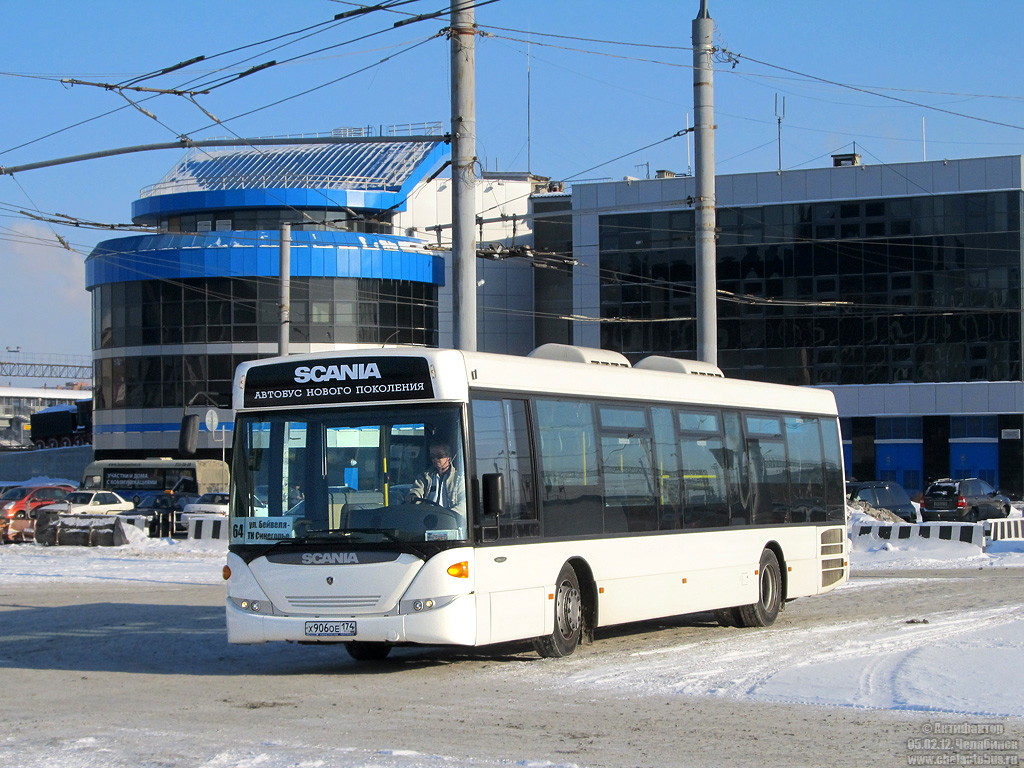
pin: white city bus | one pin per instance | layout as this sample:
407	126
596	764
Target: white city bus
597	493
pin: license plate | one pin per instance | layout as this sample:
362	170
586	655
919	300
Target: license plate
330	629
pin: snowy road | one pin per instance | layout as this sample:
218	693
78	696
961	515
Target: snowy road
118	658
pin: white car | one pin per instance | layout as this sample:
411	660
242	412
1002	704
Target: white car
91	503
207	504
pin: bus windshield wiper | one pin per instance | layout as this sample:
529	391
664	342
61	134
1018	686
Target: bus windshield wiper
403	545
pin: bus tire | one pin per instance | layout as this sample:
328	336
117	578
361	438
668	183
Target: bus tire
361	651
568	617
769	594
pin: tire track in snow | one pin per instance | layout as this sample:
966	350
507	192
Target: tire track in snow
858	663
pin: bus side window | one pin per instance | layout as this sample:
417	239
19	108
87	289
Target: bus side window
669	475
835	498
571	492
806	466
768	469
738	471
501	437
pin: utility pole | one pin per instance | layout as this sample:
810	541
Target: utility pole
285	287
704	160
779	117
463	35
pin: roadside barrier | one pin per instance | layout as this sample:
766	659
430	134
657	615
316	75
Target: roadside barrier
965	533
208	527
1006	529
82	531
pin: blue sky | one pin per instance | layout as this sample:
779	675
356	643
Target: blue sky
929	79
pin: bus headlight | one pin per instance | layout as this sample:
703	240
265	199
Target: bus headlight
262	607
423	604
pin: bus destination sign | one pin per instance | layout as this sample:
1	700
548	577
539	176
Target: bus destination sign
338	381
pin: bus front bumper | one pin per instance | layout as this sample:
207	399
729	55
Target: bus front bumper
454	624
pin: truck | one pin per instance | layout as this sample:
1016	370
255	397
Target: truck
60	426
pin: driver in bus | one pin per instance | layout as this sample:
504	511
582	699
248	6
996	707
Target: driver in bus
442	484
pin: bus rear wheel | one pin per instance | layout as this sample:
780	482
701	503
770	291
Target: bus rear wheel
568	617
368	651
769	595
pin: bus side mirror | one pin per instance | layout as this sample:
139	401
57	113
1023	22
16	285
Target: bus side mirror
494	494
188	438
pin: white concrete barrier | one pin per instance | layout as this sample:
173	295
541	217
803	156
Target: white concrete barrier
1010	528
965	533
208	527
139	521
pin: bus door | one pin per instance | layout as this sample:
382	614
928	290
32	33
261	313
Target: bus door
509	584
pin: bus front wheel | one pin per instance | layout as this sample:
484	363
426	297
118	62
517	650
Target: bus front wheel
769	594
368	651
568	617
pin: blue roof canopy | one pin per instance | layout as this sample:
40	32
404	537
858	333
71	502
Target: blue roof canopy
357	175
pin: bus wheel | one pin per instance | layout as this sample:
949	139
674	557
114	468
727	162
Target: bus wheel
769	599
368	651
568	617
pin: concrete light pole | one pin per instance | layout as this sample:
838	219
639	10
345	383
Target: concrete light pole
463	34
704	168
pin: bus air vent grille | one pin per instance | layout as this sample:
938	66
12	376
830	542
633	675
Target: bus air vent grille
324	602
832	536
832	571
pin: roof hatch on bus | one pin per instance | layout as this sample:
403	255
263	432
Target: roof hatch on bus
679	365
573	354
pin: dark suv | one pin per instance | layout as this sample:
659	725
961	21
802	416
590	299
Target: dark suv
963	501
163	507
882	494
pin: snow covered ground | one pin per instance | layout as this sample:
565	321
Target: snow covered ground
956	663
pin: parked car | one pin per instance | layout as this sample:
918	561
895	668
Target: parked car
207	504
963	501
883	494
18	509
160	504
92	503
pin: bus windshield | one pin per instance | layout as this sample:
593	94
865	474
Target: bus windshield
367	475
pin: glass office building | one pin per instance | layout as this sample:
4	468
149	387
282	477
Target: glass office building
898	287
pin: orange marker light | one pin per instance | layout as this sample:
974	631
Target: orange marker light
226	573
459	570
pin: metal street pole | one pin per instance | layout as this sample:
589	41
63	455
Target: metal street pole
463	130
704	162
286	285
